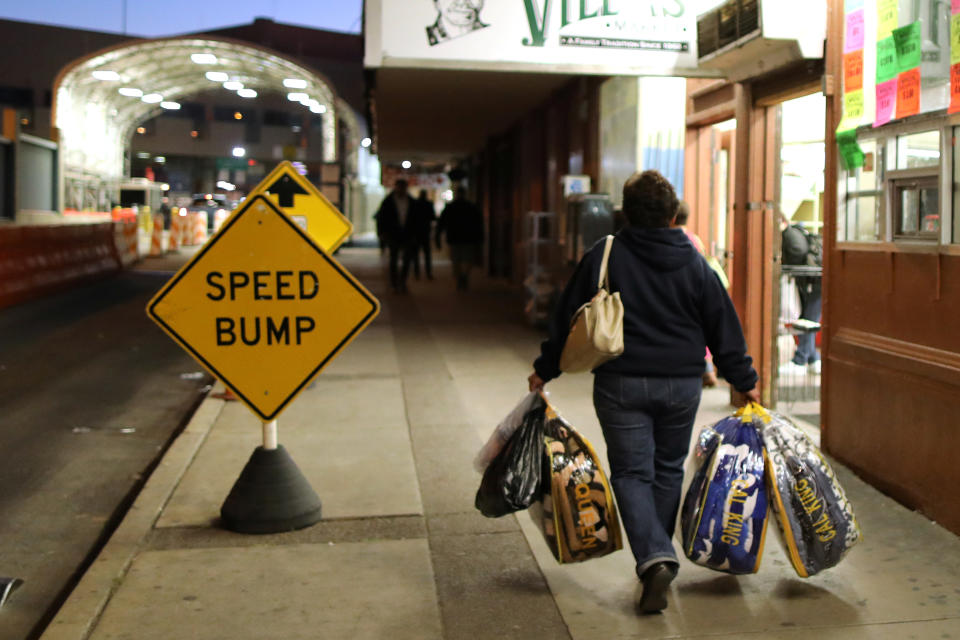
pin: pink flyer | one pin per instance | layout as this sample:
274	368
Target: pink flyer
886	102
854	38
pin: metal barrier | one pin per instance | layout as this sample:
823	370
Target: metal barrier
36	260
798	335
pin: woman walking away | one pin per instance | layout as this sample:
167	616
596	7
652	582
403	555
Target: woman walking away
647	399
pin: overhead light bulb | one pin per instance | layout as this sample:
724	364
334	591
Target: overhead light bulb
406	164
217	76
203	58
366	142
167	104
239	152
152	98
317	108
247	93
102	74
297	97
233	85
130	92
294	83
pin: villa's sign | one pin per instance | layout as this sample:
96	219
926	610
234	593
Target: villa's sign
652	37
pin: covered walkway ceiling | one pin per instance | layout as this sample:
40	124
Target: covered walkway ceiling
441	115
101	99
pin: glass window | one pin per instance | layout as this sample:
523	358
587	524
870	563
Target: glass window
861	201
918	150
917	209
862	219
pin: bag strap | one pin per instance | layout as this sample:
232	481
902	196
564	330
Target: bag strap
604	281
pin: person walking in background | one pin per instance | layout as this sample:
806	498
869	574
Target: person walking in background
800	248
462	222
423	218
395	227
646	399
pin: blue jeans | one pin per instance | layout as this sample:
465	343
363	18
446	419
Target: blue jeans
810	307
647	424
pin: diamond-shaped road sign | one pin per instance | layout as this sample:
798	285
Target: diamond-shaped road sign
298	198
263	307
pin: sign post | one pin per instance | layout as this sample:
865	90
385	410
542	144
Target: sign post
264	308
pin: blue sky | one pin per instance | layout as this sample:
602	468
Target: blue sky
170	17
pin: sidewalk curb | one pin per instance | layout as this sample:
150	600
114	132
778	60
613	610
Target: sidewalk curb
81	612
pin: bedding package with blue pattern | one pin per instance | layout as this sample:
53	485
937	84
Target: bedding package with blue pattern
724	515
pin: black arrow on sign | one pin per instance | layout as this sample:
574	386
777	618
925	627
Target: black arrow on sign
286	187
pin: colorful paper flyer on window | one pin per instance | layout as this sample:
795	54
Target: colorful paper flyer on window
886	102
955	38
853	70
907	40
854	36
888	17
851	155
887	65
908	93
852	110
954	89
955	6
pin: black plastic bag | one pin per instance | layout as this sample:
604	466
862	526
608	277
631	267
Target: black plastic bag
512	480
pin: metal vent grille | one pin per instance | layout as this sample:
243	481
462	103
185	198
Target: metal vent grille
726	24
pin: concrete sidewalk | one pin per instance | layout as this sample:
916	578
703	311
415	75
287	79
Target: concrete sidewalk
386	437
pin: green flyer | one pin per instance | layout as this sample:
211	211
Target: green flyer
887	65
907	40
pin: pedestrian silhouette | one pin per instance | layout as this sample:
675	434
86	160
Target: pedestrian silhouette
395	228
423	217
462	223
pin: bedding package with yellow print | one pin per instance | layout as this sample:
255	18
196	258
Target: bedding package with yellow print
574	506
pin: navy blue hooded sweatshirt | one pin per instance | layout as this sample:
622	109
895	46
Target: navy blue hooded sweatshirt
674	306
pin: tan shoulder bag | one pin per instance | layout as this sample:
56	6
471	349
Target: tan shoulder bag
596	333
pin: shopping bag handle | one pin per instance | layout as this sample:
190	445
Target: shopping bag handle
551	412
747	411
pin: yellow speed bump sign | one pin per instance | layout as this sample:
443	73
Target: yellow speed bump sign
263	307
298	198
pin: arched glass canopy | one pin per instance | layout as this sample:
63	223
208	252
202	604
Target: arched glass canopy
101	99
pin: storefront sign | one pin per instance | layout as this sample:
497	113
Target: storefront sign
657	37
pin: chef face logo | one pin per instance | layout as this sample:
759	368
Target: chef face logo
455	18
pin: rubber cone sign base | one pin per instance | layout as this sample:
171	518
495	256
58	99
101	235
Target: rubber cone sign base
270	496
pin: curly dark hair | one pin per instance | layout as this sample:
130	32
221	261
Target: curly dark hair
649	200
